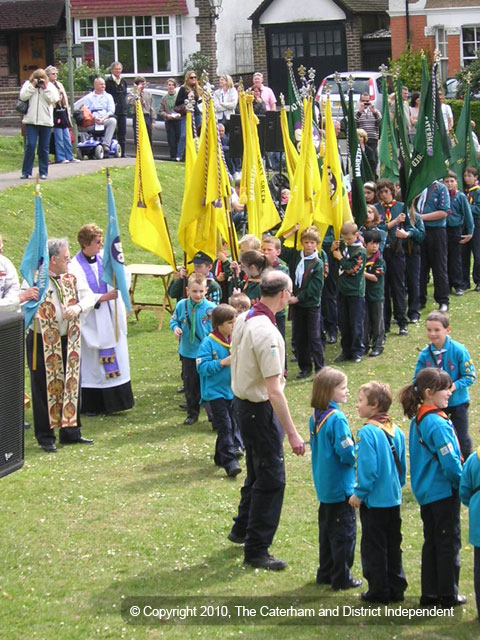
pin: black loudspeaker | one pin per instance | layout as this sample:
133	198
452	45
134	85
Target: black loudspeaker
12	384
273	132
235	140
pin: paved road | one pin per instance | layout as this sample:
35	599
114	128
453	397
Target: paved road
59	171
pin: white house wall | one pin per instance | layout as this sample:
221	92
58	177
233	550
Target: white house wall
286	11
190	30
233	20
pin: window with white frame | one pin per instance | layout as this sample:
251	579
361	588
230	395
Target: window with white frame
441	44
470	43
143	44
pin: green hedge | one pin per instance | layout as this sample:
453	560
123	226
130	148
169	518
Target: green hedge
457	108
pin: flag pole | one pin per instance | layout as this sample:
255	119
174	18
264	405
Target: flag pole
34	355
107	174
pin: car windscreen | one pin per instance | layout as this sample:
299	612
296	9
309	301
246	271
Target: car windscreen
360	85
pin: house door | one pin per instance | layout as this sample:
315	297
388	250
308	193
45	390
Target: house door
320	45
31	54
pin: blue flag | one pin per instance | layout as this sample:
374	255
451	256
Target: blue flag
34	267
113	262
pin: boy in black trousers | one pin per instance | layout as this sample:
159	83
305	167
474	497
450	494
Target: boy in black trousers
374	293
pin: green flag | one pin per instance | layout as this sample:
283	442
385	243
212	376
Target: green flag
359	204
295	113
428	157
402	138
387	149
463	153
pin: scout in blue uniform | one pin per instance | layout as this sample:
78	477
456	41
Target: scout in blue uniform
470	496
332	467
459	231
380	474
393	218
435	470
433	206
190	323
213	366
444	353
472	191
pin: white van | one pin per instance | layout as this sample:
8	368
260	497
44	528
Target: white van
363	82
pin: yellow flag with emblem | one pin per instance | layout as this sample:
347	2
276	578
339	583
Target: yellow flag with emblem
147	226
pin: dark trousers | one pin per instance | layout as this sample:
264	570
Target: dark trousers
308	337
374	325
472	247
412	280
381	552
459	417
395	290
337	535
224	424
122	132
454	259
434	257
351	319
41	422
441	546
172	127
191	382
476	576
329	296
262	493
281	320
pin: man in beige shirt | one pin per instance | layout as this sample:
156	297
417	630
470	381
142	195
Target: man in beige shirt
261	410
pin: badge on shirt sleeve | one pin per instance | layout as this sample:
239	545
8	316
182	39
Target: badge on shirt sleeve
198	361
446	449
346	442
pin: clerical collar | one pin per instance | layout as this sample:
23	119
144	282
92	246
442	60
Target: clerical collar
90	259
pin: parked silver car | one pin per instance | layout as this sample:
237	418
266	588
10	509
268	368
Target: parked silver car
159	135
363	82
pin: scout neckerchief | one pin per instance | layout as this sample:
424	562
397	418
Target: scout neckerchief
470	191
387	206
261	309
107	357
385	424
221	339
302	267
437	356
320	416
62	382
372	260
452	194
191	318
423	411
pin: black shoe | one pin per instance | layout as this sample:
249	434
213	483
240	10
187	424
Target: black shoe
49	448
452	601
331	339
183	405
181	390
190	420
428	601
459	292
357	359
323	580
80	440
444	307
303	374
353	584
266	561
238	453
397	597
375	352
234	470
367	597
341	358
233	537
403	331
25	176
414	320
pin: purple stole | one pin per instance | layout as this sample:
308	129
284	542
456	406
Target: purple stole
107	356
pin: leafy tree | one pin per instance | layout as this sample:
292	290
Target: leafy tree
197	61
409	67
83	75
474	69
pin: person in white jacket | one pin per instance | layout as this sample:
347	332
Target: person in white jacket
41	96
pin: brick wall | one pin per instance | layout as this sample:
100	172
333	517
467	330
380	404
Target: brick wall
418	38
259	54
207	38
453	55
353	33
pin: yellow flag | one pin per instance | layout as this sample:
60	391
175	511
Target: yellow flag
333	207
190	159
305	186
147	226
291	153
254	190
204	210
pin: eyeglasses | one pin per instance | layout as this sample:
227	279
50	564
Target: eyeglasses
193	77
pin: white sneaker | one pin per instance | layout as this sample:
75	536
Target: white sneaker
65	161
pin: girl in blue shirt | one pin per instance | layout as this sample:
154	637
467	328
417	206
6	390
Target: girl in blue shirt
332	465
435	470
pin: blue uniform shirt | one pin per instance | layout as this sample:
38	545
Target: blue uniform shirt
215	380
377	480
469	482
456	361
438	199
183	318
435	466
332	455
460	214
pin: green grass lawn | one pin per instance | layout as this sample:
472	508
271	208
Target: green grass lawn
145	512
11	153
